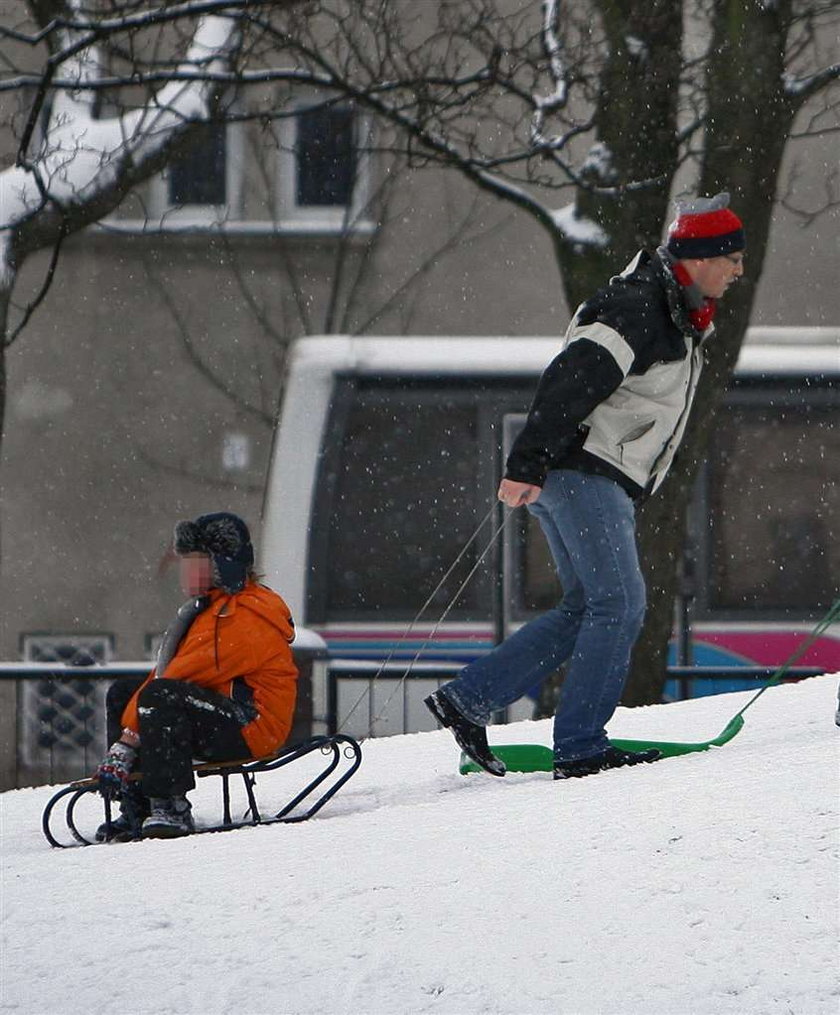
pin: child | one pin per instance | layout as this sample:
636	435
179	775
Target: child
223	687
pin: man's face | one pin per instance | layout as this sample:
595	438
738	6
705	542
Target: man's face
714	275
196	573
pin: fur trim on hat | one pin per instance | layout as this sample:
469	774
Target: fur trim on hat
221	534
188	539
225	538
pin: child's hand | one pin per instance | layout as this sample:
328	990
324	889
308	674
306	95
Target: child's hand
115	768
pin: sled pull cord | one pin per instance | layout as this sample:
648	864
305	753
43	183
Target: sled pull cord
443	617
830	618
421	612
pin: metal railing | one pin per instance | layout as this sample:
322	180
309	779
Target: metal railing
392	703
52	716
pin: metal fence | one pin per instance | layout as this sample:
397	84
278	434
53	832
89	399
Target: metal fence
53	716
365	699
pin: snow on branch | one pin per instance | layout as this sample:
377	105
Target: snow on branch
803	88
80	156
553	49
577	229
124	21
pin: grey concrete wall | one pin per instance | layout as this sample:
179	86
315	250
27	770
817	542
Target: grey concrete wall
113	433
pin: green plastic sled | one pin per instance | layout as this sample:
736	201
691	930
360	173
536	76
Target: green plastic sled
539	758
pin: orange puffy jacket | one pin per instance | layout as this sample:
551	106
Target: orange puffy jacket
245	635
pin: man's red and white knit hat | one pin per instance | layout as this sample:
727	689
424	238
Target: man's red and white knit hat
705	227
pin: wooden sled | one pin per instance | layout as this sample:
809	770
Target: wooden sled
342	754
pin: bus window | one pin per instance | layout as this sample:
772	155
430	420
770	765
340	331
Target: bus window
402	487
774	501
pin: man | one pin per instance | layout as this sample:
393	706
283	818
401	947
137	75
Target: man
607	418
223	687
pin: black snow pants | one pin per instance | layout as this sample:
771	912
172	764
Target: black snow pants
179	721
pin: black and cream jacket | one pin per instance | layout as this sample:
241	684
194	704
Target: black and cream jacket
616	399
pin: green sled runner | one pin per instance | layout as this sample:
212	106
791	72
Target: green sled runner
539	758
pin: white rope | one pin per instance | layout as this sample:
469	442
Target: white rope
368	692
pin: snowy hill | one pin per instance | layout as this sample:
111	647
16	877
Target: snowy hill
702	884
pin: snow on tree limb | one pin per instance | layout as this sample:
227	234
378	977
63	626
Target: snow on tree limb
578	229
123	22
802	88
81	157
552	46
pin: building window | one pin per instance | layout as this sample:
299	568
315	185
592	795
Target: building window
67	649
61	719
202	184
323	167
199	174
236	452
325	157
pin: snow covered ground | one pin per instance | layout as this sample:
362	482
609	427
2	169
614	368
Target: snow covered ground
702	884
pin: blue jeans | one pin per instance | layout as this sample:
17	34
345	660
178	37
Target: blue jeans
589	522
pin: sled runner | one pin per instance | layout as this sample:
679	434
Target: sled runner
342	757
539	758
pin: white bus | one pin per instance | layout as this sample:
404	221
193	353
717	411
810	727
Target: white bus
388	453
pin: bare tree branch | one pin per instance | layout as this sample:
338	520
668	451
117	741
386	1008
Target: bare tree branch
49	276
211	376
197	476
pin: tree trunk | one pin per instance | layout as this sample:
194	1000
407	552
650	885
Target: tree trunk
749	119
637	127
636	124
